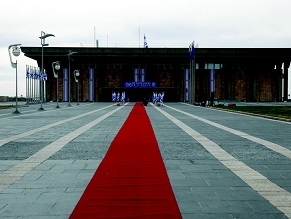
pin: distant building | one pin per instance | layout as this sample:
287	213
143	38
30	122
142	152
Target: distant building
244	74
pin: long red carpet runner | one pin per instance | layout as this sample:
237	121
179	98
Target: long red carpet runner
131	181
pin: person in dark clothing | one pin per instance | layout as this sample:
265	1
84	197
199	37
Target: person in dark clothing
145	102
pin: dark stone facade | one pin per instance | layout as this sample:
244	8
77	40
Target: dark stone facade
243	74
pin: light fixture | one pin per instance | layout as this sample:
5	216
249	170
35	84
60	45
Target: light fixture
56	67
16	52
77	75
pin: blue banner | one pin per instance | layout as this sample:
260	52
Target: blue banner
65	84
91	84
133	84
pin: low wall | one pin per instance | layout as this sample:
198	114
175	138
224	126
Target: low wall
3	98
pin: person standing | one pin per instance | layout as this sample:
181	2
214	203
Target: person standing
113	96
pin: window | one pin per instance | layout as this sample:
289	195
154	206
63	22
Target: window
139	75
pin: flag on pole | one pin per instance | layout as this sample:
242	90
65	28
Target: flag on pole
31	73
44	75
27	72
113	96
162	98
35	75
191	51
41	75
145	42
154	97
118	97
123	97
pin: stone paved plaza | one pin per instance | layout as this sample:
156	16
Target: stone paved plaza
220	164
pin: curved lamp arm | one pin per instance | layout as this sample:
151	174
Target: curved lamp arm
43	36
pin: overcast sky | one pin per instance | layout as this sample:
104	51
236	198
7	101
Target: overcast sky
165	23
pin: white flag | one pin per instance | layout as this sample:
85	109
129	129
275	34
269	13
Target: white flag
145	42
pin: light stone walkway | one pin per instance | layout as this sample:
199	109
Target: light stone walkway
220	164
276	195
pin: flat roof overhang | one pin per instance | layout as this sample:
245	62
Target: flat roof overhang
160	55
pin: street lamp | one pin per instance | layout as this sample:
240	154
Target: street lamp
56	66
42	40
16	52
69	58
77	75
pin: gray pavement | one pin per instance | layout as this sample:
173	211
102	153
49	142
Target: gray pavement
220	164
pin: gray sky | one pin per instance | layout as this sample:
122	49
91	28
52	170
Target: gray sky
165	23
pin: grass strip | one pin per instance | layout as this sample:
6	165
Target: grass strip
269	111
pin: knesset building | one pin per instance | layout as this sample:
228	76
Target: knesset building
244	74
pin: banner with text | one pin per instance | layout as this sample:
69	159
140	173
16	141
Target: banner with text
130	84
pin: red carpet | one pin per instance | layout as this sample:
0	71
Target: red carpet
131	181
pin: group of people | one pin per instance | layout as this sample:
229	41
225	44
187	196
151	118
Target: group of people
158	98
117	97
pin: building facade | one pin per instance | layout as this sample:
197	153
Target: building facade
244	74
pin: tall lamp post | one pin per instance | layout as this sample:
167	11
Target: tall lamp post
16	52
56	67
69	58
42	40
77	75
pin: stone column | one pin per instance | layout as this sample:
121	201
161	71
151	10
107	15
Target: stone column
278	73
285	92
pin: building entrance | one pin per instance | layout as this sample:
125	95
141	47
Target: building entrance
138	94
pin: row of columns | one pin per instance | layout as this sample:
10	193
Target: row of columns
66	87
285	76
190	83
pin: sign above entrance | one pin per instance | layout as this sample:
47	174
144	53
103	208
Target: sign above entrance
140	84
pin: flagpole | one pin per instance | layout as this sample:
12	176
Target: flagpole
36	83
26	86
191	72
194	69
190	80
138	37
30	85
193	80
44	85
33	86
94	37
